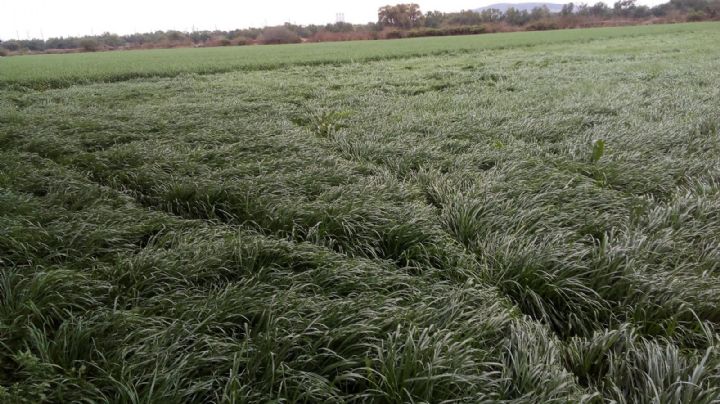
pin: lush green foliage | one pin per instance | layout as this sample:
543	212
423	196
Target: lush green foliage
524	218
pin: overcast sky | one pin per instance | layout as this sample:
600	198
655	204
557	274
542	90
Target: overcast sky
48	18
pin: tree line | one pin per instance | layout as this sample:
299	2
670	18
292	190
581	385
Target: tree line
394	21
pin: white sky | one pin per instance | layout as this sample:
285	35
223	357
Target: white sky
50	18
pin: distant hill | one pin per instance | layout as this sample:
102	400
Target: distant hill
553	7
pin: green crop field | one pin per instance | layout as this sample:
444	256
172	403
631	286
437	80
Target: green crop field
52	71
529	217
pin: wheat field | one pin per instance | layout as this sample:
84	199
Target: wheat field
526	217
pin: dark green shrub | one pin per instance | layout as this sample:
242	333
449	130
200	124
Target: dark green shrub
542	25
696	16
394	35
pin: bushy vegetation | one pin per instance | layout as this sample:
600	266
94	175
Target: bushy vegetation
278	36
510	221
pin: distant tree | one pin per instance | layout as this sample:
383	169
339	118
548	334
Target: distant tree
434	19
539	13
567	9
198	37
491	15
513	16
624	8
640	12
252	33
661	10
713	9
278	35
689	5
340	27
12	46
111	40
696	16
35	45
89	44
175	36
582	9
600	9
465	17
401	15
62	43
